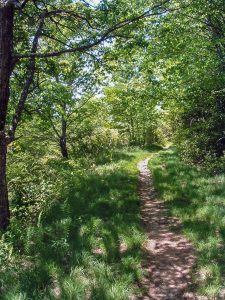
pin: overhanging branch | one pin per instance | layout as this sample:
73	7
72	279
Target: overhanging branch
105	35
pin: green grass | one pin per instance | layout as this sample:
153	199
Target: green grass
71	247
198	200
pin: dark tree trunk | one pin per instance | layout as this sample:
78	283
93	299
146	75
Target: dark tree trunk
63	148
63	137
4	201
6	45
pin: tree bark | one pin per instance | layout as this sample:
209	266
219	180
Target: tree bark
6	46
63	148
4	201
63	137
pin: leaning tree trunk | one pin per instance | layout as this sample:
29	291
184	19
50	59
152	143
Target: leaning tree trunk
6	38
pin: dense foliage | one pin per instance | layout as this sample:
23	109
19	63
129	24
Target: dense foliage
189	49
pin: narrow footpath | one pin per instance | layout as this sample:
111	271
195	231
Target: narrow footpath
170	256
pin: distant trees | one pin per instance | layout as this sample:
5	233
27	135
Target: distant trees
133	110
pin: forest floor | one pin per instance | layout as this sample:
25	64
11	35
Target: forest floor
96	240
170	256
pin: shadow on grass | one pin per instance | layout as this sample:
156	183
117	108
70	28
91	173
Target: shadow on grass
87	242
114	156
199	201
154	148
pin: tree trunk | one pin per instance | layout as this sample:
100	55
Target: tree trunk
6	45
4	201
63	148
63	137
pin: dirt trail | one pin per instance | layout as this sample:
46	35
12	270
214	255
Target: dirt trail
169	255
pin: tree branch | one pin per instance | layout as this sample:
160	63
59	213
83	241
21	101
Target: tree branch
105	36
25	92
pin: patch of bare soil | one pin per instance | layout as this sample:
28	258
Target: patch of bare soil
170	256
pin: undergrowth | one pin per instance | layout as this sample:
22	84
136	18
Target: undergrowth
78	235
198	199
